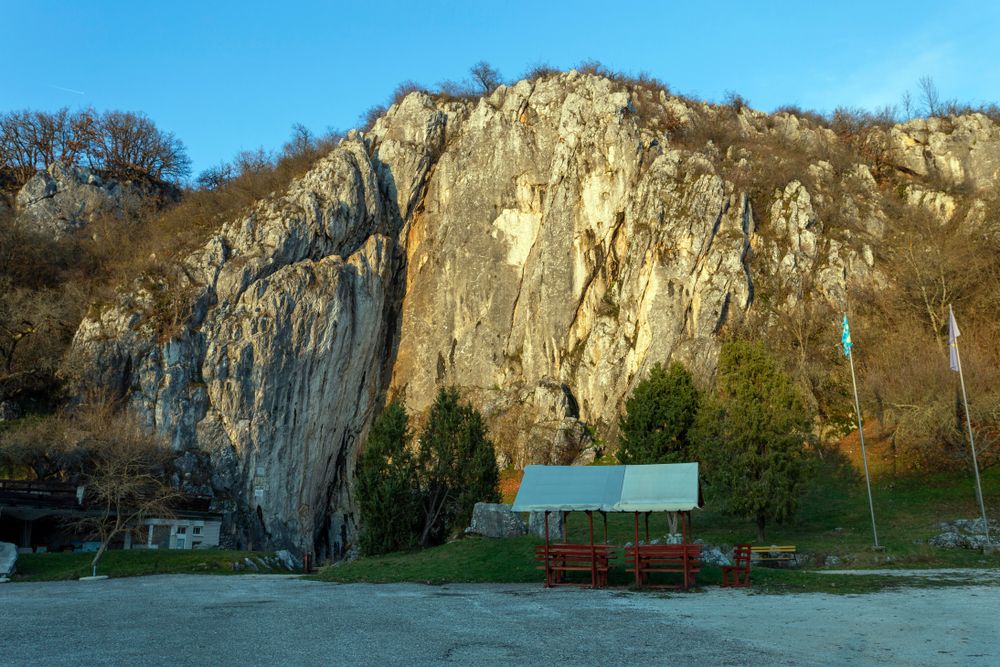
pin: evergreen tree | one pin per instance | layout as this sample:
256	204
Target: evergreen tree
386	485
751	436
658	416
457	466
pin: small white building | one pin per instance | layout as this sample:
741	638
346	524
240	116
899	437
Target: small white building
182	533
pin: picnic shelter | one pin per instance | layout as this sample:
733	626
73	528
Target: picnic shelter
639	489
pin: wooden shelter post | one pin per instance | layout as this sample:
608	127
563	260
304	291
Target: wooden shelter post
547	575
593	552
636	543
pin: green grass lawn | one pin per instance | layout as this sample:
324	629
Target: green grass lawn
833	519
116	563
484	560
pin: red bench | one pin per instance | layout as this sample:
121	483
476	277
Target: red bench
560	558
649	559
737	575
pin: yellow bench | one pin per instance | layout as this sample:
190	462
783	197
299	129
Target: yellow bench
774	554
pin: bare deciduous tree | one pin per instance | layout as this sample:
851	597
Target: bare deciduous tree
486	76
907	103
129	145
121	144
302	141
929	95
214	178
126	481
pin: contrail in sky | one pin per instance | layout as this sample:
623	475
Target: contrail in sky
68	90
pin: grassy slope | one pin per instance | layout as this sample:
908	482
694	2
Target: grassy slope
55	566
833	520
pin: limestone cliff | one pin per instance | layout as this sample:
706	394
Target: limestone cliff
540	248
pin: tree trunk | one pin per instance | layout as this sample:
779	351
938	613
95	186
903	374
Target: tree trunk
425	534
100	552
760	528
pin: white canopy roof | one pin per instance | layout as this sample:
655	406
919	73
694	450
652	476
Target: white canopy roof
668	487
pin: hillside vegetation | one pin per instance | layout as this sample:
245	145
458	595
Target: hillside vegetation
539	245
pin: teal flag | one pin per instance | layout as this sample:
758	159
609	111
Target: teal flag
845	338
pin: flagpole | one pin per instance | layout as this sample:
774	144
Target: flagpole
864	454
972	444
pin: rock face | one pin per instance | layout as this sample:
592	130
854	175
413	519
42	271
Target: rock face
65	198
555	256
540	248
495	520
962	150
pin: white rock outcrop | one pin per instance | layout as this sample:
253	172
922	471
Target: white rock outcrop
65	198
960	150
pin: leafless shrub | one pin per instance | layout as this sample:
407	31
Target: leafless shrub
404	89
456	90
371	116
595	68
814	117
735	101
540	71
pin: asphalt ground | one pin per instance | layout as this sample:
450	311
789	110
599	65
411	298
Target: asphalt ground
275	620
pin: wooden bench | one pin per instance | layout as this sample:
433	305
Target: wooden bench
656	558
775	554
737	575
563	558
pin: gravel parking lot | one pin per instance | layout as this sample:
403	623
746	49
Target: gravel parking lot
274	620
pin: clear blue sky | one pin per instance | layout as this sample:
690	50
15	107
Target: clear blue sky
227	76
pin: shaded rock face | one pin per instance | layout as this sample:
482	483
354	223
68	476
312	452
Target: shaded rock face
64	198
280	363
540	248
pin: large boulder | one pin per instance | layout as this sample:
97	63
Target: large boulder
495	520
8	559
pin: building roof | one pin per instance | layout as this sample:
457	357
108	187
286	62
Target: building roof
667	487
